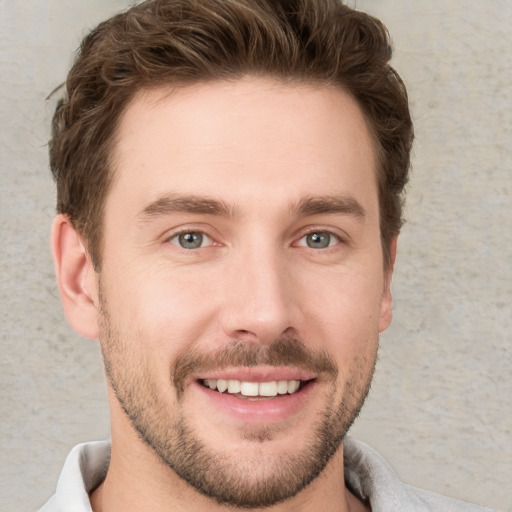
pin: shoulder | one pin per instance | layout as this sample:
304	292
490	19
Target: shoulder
50	505
372	478
437	502
84	469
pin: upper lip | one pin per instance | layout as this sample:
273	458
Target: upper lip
257	374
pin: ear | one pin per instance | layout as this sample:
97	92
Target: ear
386	305
76	277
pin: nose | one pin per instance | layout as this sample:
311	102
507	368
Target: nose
259	301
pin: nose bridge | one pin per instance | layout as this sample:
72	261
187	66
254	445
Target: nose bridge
258	305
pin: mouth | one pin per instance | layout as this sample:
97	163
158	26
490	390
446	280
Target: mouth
259	396
255	390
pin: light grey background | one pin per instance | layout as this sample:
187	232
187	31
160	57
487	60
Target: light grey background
440	409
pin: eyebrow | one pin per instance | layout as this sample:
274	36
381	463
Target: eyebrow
191	204
346	205
172	203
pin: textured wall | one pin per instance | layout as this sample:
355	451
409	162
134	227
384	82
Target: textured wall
440	408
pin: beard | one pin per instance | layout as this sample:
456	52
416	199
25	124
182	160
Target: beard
236	480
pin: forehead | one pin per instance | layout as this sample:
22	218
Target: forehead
253	137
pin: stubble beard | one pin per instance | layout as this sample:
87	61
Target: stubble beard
237	481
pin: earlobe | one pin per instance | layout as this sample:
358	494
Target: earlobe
386	305
75	276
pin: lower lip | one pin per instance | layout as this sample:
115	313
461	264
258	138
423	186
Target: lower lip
261	410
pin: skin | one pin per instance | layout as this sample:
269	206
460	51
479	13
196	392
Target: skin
262	149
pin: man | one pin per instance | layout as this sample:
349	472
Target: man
230	178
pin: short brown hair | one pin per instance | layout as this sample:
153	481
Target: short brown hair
178	42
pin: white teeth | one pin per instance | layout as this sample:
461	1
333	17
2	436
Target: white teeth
222	385
249	388
233	386
267	389
293	386
282	387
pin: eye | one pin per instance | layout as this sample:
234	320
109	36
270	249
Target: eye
191	240
319	240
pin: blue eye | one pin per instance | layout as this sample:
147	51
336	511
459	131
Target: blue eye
191	240
319	240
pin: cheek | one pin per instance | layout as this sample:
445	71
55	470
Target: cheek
167	310
346	315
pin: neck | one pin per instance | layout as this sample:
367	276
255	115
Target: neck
137	480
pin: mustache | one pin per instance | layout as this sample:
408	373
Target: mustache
285	351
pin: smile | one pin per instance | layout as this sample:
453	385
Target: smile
256	395
253	389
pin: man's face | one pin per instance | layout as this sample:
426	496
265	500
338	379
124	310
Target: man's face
242	249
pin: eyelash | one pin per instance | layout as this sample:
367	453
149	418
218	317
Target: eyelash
333	237
176	236
322	232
